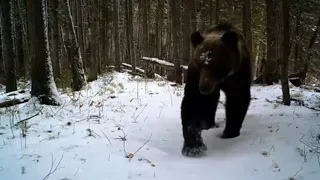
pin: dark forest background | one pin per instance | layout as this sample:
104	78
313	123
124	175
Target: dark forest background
67	43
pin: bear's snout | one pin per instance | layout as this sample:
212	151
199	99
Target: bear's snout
206	85
206	88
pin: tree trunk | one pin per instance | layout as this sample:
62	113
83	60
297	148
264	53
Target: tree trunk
43	85
8	53
186	31
74	55
211	13
309	50
1	61
256	59
145	51
19	51
246	24
159	22
297	64
93	24
131	49
80	32
176	29
217	11
103	40
270	71
203	15
193	19
285	55
55	38
116	34
21	5
106	41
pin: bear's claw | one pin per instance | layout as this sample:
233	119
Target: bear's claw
194	150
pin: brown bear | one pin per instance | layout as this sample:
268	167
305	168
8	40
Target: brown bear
221	61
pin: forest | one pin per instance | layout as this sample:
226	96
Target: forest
74	73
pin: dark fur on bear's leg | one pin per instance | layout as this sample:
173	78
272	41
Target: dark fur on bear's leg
197	114
191	128
237	104
193	144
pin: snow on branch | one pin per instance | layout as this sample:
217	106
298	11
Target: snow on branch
158	61
138	69
161	62
130	66
14	98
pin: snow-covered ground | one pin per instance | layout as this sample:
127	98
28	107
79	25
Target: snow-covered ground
90	135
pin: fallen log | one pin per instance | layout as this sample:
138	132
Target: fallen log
312	88
296	79
14	98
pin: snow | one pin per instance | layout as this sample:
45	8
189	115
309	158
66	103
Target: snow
158	61
20	95
275	142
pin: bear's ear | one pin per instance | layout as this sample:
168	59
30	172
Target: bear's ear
230	38
196	38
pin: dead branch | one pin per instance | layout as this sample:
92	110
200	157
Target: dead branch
141	112
13	102
51	169
28	118
105	136
139	148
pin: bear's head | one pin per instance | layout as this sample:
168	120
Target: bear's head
217	55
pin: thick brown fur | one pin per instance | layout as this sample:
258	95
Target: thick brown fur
221	62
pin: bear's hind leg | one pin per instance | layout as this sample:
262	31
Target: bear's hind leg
237	103
210	109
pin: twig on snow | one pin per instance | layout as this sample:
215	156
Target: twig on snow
292	177
55	169
135	119
132	155
28	118
105	136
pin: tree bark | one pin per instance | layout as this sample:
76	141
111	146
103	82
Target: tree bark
18	45
211	13
176	29
186	31
74	55
193	19
285	54
116	34
247	28
43	85
297	52
8	50
80	32
270	71
1	61
55	38
159	22
93	24
131	49
309	51
217	11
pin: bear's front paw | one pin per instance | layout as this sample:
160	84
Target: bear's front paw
194	150
229	134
